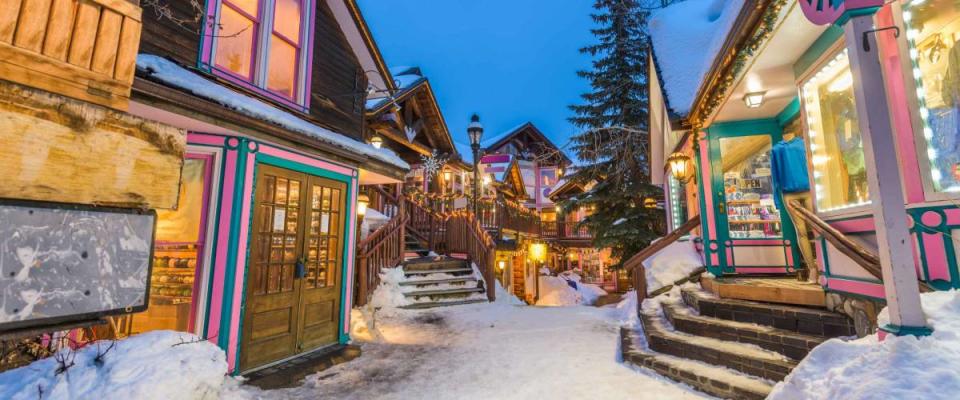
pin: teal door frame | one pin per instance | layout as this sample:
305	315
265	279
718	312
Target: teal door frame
774	128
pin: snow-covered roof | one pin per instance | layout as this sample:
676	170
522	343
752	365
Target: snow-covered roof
405	78
687	37
170	73
487	142
466	153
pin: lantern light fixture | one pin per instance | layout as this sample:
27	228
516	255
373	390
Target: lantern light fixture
376	142
753	99
502	265
680	166
362	202
447	175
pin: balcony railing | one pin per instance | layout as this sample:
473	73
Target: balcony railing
84	49
564	230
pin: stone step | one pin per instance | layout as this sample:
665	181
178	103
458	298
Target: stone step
466	280
791	344
433	263
719	382
444	293
805	320
434	304
736	356
452	271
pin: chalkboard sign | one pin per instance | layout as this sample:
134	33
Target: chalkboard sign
66	263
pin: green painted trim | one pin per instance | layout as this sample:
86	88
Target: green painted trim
789	112
820	46
826	257
899	330
343	334
229	278
857	12
307	169
755	127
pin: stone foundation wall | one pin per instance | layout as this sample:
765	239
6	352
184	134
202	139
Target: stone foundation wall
862	311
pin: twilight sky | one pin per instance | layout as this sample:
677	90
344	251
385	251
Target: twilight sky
511	61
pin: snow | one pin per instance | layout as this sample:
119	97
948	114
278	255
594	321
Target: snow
372	221
687	36
172	74
904	367
619	221
484	351
487	142
466	153
671	264
156	365
555	291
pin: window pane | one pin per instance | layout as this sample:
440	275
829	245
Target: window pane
748	187
235	44
934	27
283	67
839	169
250	7
287	19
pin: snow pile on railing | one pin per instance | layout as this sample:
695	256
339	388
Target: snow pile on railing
904	367
155	365
671	264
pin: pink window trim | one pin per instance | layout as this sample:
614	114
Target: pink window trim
307	41
298	45
257	22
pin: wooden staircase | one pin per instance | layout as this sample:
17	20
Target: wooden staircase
725	347
439	281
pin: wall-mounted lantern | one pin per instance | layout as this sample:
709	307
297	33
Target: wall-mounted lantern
680	167
376	142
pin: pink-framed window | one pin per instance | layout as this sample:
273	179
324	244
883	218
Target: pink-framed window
263	45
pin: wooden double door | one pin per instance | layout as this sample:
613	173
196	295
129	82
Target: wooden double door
294	274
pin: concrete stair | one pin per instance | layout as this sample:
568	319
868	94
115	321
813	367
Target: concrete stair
729	348
440	281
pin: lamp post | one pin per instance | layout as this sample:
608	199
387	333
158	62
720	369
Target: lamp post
475	131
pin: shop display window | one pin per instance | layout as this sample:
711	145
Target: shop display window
748	187
839	168
178	255
933	30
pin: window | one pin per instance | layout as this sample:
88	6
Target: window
839	169
548	177
261	43
933	30
748	187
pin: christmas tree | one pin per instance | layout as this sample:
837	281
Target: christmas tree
613	147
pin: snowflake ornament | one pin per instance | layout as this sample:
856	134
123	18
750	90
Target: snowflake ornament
433	163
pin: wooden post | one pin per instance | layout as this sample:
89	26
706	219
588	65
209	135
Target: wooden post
883	179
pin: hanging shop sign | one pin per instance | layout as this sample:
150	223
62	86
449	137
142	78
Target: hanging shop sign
62	264
823	12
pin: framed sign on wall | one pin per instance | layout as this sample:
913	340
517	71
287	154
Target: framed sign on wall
65	263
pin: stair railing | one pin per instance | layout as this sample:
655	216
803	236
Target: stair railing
384	248
465	234
859	254
635	263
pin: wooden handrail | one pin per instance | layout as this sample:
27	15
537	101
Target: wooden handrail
384	248
859	254
464	234
637	260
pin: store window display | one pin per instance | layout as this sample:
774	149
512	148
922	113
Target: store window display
839	167
748	187
933	30
178	255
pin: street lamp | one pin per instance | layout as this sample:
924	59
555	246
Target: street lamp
475	132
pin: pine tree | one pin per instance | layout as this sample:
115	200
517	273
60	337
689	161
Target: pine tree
613	147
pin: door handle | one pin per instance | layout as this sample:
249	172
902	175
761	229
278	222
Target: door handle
301	269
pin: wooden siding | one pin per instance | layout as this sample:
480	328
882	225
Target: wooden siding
84	49
176	36
338	92
54	148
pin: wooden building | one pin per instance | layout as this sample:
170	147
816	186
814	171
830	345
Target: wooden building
259	256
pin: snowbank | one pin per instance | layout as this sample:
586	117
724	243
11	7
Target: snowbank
389	294
904	367
687	36
155	365
556	291
671	264
372	221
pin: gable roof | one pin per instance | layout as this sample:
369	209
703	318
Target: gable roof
491	144
687	37
358	34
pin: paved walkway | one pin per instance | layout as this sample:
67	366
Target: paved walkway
486	351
